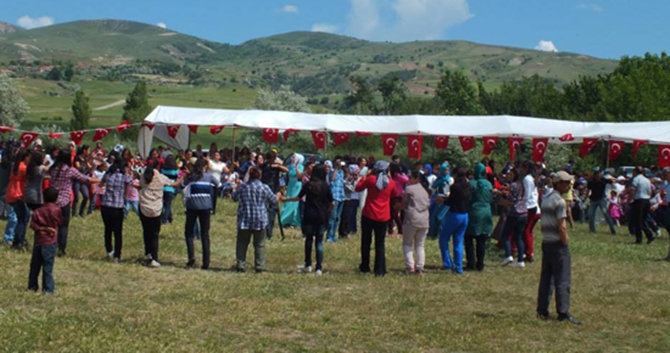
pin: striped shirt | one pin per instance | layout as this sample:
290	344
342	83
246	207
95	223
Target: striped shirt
198	193
254	198
115	190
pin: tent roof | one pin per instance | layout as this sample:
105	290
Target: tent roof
476	126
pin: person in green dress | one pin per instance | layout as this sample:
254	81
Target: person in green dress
480	223
290	215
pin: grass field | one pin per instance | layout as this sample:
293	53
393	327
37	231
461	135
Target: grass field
620	291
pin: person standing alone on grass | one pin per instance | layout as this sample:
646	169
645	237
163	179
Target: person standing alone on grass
556	259
45	222
255	199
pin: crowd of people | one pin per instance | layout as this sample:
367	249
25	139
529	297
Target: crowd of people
322	199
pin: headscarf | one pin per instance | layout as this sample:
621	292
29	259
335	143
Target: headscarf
428	169
442	178
298	159
381	170
328	164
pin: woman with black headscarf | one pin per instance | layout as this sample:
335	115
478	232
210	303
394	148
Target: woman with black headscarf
375	216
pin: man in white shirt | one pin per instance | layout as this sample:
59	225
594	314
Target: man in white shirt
640	191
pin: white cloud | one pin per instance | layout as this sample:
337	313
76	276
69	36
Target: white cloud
590	6
161	25
289	9
324	27
410	20
546	45
29	22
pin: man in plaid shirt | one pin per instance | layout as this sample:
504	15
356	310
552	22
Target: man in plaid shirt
336	180
252	218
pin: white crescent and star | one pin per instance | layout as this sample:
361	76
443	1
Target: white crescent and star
541	146
415	144
390	142
665	153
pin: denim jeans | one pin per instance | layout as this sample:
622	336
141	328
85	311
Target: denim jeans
23	217
168	197
43	259
334	220
514	226
134	205
10	228
455	224
313	234
602	205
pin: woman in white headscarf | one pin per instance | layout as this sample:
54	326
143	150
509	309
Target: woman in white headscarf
290	215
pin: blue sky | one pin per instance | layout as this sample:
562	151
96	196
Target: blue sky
602	28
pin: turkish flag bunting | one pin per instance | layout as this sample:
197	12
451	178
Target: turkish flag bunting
467	143
173	130
664	156
270	135
489	144
193	128
55	135
340	138
616	147
125	125
587	146
414	145
636	146
362	133
539	148
27	138
4	129
216	129
100	134
514	143
566	138
441	142
77	136
319	138
388	142
148	125
287	132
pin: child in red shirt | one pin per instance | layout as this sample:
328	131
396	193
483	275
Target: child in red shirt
45	222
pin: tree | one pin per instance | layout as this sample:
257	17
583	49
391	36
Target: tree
81	112
136	109
456	95
69	73
13	107
54	75
362	99
394	94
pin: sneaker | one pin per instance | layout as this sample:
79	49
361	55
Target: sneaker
307	269
530	259
148	257
569	319
318	272
410	271
518	265
658	233
110	256
190	264
543	316
117	260
508	260
154	264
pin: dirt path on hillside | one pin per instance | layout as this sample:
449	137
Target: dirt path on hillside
115	104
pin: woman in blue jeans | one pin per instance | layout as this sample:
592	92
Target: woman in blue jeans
456	222
318	206
515	223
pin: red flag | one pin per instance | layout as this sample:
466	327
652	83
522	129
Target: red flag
362	133
4	129
616	147
100	134
441	142
27	138
388	142
287	132
173	130
587	146
55	135
636	146
150	126
126	124
566	138
339	138
270	135
539	148
489	144
216	129
319	138
467	143
664	156
414	146
193	129
77	136
514	143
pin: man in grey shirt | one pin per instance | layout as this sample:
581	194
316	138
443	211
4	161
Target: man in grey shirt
556	260
640	191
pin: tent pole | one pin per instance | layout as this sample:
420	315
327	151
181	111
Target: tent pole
233	154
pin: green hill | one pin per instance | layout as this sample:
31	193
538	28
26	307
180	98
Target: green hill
313	63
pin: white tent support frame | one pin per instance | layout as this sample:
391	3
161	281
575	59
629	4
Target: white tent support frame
501	126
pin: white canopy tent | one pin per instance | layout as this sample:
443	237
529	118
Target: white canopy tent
475	126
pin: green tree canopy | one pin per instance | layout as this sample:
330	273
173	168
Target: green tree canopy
136	109
81	112
13	108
